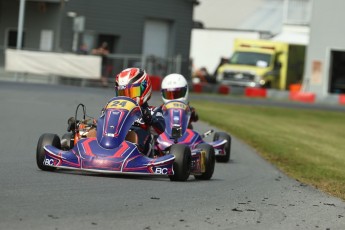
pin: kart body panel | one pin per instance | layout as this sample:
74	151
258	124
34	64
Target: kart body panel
88	155
109	152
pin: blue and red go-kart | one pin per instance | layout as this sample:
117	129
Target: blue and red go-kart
114	148
177	116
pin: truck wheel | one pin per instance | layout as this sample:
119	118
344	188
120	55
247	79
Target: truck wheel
46	139
67	141
227	147
182	163
210	160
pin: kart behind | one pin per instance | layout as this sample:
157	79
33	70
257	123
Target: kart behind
113	149
177	115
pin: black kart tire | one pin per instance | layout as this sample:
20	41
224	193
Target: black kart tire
182	163
227	148
210	160
46	139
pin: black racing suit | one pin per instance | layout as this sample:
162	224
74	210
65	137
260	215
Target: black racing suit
194	117
152	117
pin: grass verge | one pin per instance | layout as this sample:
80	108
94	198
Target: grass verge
307	145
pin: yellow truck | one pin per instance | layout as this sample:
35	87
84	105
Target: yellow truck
263	63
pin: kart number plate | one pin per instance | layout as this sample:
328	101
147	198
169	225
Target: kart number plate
121	104
176	105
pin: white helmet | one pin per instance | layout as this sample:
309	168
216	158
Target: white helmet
174	87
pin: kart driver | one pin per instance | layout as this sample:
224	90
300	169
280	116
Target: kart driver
175	87
136	84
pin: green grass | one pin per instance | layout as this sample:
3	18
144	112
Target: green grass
307	145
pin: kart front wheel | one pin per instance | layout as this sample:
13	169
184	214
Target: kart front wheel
46	139
182	163
210	160
227	147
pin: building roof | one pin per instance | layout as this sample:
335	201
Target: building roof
267	17
293	34
259	15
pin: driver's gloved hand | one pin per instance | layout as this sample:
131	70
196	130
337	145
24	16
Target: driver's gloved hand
147	116
194	116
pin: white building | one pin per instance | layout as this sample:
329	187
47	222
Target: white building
325	61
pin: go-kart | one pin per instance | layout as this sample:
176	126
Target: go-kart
113	149
177	115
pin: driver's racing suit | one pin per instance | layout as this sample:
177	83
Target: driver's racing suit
152	117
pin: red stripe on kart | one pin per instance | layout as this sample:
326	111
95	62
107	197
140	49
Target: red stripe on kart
87	148
164	137
189	136
124	147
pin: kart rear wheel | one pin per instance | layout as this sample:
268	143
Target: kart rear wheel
182	163
210	160
46	139
227	147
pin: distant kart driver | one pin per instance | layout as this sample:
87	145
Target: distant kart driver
175	87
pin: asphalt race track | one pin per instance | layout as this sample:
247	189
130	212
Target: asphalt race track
247	193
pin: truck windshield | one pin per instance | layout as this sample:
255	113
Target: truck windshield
251	58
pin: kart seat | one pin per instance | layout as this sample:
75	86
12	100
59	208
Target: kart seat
92	133
132	137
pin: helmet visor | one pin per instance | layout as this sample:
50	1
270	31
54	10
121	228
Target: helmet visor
131	91
174	93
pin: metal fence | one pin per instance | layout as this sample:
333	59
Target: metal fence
153	65
116	62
